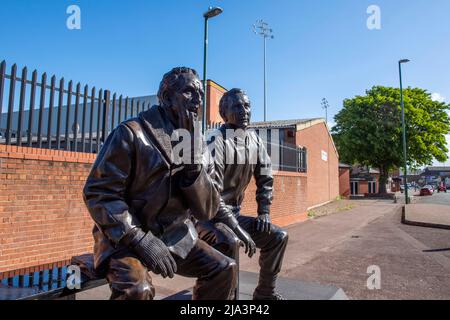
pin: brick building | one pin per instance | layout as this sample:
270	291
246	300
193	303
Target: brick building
364	180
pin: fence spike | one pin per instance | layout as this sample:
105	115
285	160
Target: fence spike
12	90
32	105
23	86
83	121
2	85
69	102
60	105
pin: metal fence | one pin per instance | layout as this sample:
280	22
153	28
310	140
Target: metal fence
62	115
57	114
290	157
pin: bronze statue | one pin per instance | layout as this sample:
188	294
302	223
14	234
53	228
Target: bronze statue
142	201
234	170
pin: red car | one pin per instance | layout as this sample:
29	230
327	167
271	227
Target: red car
426	191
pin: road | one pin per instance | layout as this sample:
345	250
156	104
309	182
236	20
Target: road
437	198
338	250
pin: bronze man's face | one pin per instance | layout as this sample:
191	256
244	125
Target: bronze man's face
186	101
238	112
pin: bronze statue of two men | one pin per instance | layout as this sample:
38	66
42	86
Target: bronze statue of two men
155	213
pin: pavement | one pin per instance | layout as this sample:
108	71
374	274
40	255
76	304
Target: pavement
431	211
342	249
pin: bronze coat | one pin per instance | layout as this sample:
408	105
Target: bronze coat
134	183
237	160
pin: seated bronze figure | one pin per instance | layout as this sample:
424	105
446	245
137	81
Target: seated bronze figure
239	154
142	201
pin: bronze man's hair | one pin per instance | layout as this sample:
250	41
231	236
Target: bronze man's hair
171	82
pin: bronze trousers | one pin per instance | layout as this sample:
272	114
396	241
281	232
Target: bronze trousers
272	245
216	275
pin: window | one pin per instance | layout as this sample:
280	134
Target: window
354	188
372	187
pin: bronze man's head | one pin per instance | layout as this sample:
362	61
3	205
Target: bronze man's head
181	92
234	108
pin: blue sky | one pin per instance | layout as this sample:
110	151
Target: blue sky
322	48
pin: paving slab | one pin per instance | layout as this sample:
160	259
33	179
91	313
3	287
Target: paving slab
427	214
290	289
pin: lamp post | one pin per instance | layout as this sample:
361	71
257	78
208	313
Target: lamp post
211	13
405	157
262	28
325	106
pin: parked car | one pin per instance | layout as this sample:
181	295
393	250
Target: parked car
426	191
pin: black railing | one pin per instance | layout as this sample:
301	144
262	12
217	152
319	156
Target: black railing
289	157
57	122
50	115
292	158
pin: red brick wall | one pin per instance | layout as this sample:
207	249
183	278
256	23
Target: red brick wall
363	187
43	218
214	94
344	182
322	187
290	201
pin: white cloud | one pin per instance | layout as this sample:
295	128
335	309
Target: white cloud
436	163
437	97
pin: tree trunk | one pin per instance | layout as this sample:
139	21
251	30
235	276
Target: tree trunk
384	174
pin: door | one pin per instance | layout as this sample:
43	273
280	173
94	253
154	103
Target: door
354	188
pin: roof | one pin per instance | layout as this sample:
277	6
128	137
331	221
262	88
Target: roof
343	165
439	169
297	124
216	85
359	169
294	123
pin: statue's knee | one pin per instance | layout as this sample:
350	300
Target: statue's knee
232	244
228	243
142	290
282	236
231	270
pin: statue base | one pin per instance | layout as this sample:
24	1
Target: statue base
290	289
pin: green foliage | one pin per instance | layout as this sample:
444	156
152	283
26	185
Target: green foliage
369	131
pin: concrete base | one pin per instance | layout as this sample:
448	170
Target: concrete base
290	289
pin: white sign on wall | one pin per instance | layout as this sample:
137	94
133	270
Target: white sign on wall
324	156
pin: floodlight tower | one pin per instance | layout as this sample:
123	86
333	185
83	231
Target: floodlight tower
262	28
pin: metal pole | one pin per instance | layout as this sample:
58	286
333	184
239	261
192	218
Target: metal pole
265	95
205	57
405	174
328	154
326	106
262	28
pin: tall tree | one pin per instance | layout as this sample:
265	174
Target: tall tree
368	130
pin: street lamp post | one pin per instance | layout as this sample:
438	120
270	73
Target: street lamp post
262	28
325	106
212	12
405	156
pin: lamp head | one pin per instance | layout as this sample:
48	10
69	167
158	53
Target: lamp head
212	12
